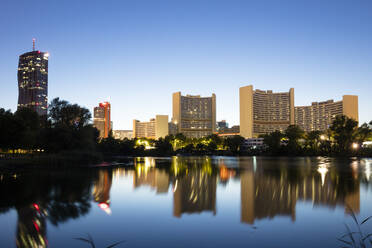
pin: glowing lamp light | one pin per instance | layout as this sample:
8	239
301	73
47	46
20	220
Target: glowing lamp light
355	146
322	137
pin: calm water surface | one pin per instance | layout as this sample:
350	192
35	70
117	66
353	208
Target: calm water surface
188	202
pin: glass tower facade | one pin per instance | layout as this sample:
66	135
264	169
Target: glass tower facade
33	81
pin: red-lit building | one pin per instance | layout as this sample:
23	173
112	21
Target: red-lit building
102	119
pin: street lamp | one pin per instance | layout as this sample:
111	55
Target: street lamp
355	146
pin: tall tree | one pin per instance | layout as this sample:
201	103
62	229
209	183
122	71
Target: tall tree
69	128
364	133
64	114
344	131
313	139
294	133
28	123
273	141
234	143
8	130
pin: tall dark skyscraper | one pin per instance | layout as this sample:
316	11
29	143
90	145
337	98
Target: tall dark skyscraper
33	81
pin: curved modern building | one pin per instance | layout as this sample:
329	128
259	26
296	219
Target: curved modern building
263	112
320	115
33	81
195	116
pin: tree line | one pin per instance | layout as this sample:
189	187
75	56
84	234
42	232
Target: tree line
343	137
67	127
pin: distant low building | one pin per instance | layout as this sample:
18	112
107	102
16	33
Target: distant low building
122	134
221	125
154	129
254	143
232	131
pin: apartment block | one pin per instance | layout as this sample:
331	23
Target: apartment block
195	116
263	112
154	129
320	115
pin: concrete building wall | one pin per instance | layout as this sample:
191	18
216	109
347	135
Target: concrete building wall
246	111
350	106
263	112
161	126
176	106
291	105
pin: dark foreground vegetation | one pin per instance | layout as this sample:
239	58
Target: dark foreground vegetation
343	138
66	136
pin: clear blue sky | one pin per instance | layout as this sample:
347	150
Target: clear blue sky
137	53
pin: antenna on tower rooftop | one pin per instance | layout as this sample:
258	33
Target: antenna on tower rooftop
33	44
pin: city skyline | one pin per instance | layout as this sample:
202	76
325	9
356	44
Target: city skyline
231	49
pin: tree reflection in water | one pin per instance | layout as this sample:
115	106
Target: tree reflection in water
55	196
269	187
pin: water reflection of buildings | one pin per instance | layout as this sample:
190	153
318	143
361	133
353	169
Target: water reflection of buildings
31	227
270	192
101	190
195	193
147	174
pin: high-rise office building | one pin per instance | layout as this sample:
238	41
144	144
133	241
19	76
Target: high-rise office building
102	119
154	129
263	112
33	81
320	115
194	116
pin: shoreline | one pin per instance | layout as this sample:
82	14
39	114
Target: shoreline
97	160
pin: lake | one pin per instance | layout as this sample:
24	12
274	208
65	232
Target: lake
188	202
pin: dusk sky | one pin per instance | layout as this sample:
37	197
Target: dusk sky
135	54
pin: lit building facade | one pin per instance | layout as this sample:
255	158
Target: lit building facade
33	81
122	134
154	129
263	112
320	115
194	116
102	119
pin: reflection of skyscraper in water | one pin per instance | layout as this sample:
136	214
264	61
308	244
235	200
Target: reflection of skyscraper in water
101	190
147	174
194	193
264	197
153	177
274	191
31	227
